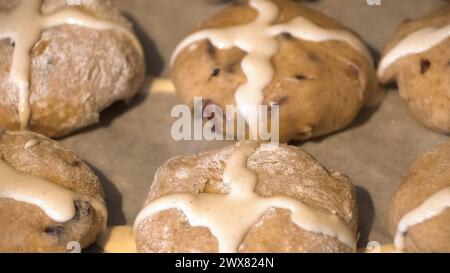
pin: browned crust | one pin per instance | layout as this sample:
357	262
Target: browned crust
424	78
25	227
429	175
288	171
76	72
320	87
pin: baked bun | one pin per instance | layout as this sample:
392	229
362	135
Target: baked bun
49	198
419	215
277	52
61	65
248	198
418	58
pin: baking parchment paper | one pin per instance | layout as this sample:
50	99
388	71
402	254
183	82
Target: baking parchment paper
132	141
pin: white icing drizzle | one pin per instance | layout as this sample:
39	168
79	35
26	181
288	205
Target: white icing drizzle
258	39
230	216
417	42
31	143
57	202
432	207
24	26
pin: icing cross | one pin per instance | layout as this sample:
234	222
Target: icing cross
417	42
432	207
56	202
230	216
258	39
24	26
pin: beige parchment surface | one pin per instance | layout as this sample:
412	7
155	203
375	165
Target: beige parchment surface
132	141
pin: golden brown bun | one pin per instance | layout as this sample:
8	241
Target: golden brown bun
424	79
320	87
25	227
286	171
429	175
76	72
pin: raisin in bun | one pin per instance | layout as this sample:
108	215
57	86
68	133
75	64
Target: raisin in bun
418	59
248	198
49	198
277	52
61	65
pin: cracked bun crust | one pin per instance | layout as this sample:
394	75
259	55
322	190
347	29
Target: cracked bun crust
284	171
